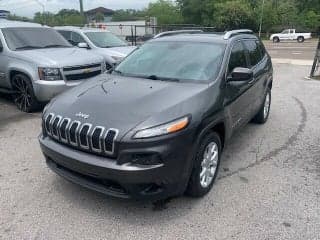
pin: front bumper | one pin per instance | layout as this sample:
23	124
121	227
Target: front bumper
46	90
125	180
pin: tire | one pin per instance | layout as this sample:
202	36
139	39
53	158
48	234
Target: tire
276	39
300	39
197	187
264	112
23	95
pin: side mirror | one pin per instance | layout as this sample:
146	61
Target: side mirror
83	45
240	74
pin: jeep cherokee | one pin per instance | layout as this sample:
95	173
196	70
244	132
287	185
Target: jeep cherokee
156	126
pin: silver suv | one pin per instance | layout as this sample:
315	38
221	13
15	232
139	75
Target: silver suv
37	63
99	41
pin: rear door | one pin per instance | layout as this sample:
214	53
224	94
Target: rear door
238	94
258	63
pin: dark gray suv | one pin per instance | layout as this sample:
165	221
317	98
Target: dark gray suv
156	125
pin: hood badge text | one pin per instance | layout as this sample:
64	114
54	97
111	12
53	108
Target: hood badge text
82	115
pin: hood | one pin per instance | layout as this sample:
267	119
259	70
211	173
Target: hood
59	57
124	103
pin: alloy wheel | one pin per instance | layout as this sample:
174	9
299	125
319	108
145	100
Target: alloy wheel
22	94
266	107
209	164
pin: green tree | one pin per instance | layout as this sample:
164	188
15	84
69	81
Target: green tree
233	14
128	15
166	12
99	17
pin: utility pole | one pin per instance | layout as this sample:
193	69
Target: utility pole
81	10
81	7
43	10
261	18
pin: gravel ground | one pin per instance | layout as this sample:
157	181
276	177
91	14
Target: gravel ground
268	186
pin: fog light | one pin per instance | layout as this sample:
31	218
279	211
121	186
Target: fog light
146	159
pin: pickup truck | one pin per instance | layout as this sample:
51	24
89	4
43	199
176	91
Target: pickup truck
290	34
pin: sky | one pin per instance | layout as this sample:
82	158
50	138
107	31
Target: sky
27	8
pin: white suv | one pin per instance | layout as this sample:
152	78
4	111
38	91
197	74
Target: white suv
36	63
99	41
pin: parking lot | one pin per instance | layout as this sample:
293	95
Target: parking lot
268	187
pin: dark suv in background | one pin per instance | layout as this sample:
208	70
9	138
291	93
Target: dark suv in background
156	125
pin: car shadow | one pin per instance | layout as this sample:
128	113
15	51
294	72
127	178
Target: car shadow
11	114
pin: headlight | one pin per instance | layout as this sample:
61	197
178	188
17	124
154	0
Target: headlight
49	74
171	127
117	58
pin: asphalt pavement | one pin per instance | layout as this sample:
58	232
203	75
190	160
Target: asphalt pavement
268	186
292	49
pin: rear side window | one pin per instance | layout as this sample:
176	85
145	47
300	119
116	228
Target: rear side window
237	57
77	38
65	34
253	52
261	49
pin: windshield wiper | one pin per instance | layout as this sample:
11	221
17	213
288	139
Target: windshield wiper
56	46
155	77
27	47
117	71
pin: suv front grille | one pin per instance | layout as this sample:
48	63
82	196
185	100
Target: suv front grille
83	136
82	72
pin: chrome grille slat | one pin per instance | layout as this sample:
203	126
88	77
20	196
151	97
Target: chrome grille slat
55	127
85	146
77	124
48	120
100	138
64	139
106	148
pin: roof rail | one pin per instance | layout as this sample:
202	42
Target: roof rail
232	33
172	33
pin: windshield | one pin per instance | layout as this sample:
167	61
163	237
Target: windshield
189	61
105	39
33	38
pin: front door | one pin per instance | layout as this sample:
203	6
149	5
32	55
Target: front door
238	94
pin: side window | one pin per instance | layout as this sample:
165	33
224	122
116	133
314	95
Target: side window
261	49
76	38
253	52
237	57
65	34
285	31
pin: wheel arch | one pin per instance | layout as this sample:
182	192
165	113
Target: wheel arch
14	71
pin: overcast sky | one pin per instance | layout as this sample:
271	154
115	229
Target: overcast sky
29	7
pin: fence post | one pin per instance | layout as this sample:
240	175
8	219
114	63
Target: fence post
131	35
135	35
316	60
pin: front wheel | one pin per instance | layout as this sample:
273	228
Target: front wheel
263	114
207	161
23	96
